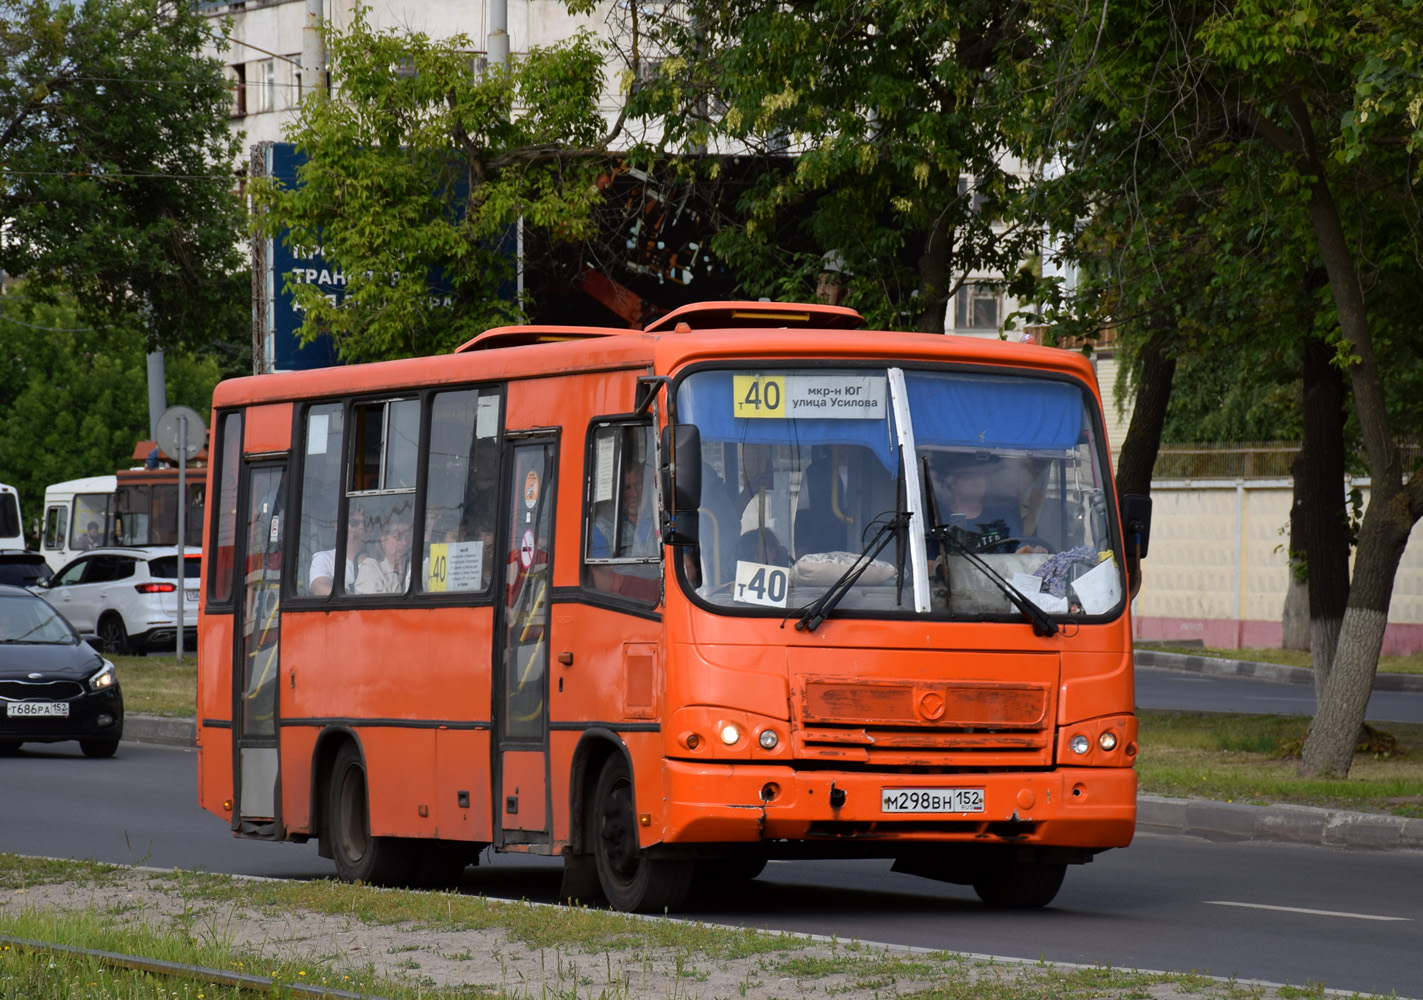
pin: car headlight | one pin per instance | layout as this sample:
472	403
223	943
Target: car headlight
105	678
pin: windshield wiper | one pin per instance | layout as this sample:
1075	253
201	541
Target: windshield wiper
1042	622
820	609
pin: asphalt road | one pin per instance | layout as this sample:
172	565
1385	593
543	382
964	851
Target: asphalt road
1350	919
1169	689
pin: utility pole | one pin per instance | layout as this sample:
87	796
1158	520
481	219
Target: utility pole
157	392
313	52
498	45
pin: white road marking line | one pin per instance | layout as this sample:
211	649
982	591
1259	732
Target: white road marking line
1301	909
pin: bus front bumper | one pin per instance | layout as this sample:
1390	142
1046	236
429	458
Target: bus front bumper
1069	807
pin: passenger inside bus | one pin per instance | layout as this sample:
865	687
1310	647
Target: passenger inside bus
387	570
323	563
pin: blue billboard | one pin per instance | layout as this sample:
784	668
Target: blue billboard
282	350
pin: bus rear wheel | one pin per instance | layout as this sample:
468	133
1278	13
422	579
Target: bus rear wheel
631	881
1021	886
359	856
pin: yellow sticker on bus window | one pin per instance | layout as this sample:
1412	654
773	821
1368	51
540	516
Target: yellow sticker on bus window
437	568
758	396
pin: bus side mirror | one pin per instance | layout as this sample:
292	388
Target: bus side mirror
681	481
1136	523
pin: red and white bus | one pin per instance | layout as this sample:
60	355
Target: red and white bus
753	583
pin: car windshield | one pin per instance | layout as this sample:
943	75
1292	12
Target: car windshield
803	468
31	620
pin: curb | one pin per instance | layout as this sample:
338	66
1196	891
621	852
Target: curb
1277	823
160	729
1278	673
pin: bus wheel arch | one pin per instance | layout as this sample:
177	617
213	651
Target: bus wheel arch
631	879
359	856
323	760
593	750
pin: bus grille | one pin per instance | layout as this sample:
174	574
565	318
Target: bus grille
925	723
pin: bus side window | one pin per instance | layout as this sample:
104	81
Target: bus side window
381	481
622	547
319	499
220	554
56	523
461	492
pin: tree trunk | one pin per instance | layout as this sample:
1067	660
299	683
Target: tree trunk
1294	619
934	277
1319	523
1329	747
1155	371
1392	510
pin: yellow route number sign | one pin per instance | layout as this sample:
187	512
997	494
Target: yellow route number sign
759	395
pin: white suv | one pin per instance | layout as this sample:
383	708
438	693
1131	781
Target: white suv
128	597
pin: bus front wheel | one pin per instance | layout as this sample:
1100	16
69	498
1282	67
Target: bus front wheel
1021	886
631	881
359	856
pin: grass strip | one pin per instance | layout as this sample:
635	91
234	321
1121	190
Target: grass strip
1255	759
189	918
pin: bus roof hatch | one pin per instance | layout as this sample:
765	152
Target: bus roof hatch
786	315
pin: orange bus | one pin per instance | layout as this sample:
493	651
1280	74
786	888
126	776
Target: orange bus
752	583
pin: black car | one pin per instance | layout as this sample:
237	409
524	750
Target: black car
53	685
23	568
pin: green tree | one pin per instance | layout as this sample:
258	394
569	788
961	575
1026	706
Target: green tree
423	165
1237	113
118	186
897	115
73	398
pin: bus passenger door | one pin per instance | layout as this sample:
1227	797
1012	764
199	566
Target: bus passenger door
257	648
521	683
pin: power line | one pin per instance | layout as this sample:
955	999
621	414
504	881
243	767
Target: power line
120	175
7	318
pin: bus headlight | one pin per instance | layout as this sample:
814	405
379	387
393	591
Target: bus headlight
730	734
1081	744
1107	741
769	739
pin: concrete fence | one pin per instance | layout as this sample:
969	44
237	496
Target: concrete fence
1218	568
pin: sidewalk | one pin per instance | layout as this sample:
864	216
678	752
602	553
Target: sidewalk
1155	814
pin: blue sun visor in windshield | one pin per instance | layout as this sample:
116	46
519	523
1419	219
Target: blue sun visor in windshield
988	412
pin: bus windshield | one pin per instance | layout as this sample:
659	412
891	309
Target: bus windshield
806	491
